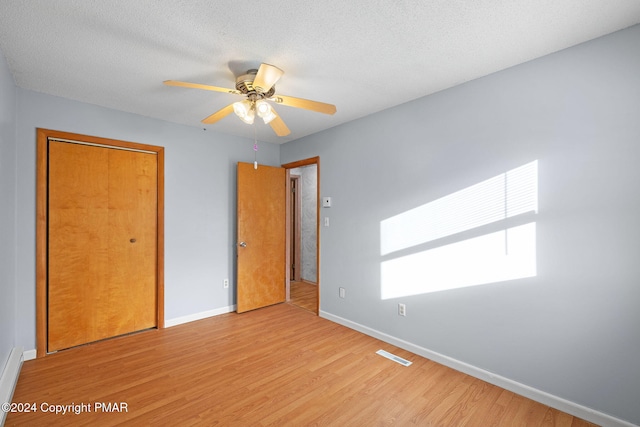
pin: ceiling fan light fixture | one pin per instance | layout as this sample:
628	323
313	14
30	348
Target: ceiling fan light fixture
242	108
267	118
245	110
248	119
263	108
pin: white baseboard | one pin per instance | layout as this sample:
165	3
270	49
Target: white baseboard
198	316
9	378
29	355
545	398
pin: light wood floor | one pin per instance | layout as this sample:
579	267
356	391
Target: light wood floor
305	295
277	366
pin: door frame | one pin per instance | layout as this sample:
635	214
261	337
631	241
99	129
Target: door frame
42	187
294	206
288	167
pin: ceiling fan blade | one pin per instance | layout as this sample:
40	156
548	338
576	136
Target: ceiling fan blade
278	125
266	77
220	114
199	86
316	106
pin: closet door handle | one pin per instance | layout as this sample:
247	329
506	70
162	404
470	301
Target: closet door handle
243	244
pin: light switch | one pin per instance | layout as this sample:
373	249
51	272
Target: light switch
326	221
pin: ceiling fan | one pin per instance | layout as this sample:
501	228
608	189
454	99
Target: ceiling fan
259	87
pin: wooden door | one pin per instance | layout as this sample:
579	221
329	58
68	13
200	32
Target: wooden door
261	236
102	247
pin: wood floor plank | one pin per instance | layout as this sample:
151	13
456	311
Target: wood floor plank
484	414
277	366
304	295
556	418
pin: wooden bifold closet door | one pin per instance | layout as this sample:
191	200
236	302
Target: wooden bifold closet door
101	243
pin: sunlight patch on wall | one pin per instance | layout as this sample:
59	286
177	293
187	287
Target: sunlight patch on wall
503	251
504	196
471	262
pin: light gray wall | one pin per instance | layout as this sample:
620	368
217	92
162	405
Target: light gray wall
308	223
574	329
7	212
200	200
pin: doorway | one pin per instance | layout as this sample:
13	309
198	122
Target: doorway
99	238
303	282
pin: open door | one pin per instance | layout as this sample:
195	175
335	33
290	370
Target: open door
261	236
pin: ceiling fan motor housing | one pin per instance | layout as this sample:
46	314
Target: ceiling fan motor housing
244	84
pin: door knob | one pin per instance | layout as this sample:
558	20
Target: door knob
243	244
132	240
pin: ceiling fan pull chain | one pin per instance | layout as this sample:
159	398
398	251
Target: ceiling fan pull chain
255	148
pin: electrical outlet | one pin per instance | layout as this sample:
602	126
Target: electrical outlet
226	283
402	309
342	293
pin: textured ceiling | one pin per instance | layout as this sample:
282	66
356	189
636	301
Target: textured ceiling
363	56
